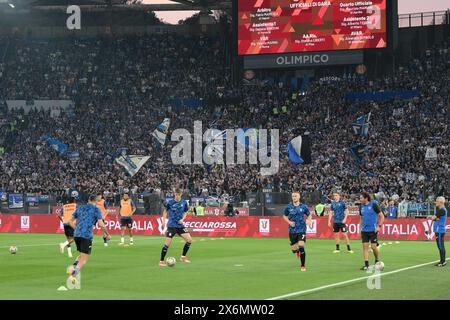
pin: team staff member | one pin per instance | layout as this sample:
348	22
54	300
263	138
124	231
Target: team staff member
67	211
339	212
294	215
440	219
87	216
372	219
127	209
102	204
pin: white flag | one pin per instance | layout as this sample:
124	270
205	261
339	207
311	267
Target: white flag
431	154
132	163
160	133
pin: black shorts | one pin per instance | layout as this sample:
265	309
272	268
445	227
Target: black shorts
68	231
296	237
339	227
172	232
371	237
83	245
126	222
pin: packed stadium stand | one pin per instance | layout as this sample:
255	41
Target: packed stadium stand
124	87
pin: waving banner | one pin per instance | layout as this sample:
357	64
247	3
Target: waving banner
160	133
131	163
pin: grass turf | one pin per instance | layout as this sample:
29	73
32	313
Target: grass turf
230	268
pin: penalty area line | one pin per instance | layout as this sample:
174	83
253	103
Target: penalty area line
337	284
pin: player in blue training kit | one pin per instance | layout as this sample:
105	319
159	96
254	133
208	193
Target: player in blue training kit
177	210
87	216
372	219
339	212
294	215
440	220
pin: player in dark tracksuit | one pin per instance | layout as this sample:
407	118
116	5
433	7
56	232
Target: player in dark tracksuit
294	215
372	219
439	225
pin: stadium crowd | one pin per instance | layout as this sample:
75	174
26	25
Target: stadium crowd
123	88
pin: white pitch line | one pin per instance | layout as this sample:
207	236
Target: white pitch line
349	281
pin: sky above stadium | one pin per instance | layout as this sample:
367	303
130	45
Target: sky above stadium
404	6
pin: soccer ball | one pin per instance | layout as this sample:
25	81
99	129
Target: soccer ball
171	261
379	266
13	249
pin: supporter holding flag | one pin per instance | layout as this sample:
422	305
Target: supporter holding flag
361	125
160	133
357	150
60	147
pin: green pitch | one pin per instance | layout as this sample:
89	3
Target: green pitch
230	268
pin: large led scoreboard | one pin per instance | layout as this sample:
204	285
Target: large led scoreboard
311	28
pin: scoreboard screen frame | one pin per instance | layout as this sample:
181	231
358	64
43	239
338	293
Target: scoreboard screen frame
391	15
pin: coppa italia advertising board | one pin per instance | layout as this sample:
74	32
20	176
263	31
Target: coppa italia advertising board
276	227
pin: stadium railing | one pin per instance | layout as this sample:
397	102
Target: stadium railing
423	19
271	204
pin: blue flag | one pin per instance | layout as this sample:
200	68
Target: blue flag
361	125
357	150
60	147
73	156
117	153
299	150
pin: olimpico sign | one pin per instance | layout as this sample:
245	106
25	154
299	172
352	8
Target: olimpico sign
303	59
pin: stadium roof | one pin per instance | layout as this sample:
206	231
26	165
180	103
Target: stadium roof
178	5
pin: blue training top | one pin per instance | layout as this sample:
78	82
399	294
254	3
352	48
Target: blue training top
296	214
176	211
338	207
87	216
369	213
439	225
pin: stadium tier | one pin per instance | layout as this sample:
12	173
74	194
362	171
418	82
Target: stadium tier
122	88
